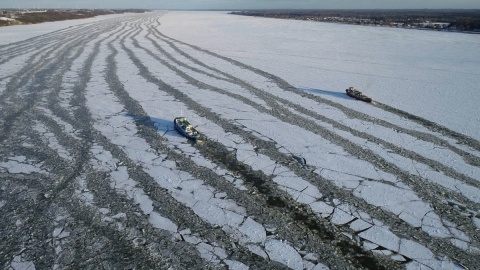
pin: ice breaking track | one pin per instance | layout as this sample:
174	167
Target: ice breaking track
94	175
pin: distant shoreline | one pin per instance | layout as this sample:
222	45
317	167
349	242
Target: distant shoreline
10	17
448	20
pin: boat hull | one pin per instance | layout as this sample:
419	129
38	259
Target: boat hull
177	122
359	97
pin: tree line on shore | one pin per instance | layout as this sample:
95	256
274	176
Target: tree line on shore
453	20
18	16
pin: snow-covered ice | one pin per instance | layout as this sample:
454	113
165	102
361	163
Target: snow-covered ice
264	91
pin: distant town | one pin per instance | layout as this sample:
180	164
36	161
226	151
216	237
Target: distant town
443	20
32	16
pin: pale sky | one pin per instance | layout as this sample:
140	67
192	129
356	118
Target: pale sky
244	4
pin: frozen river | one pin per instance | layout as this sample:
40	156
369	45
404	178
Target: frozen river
290	174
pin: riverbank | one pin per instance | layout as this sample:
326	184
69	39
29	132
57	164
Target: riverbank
466	21
21	16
